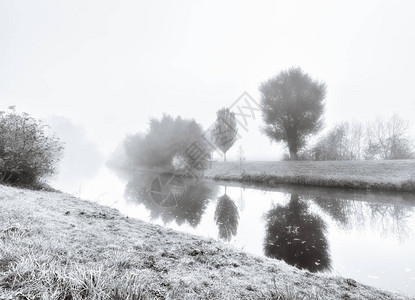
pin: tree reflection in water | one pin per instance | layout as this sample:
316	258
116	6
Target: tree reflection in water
390	219
189	206
226	217
297	236
340	210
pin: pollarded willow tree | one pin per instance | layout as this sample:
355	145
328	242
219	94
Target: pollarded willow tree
168	139
292	105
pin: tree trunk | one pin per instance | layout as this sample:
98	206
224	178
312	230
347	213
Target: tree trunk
293	154
224	156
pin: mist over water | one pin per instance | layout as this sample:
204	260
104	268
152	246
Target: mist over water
359	235
82	157
132	84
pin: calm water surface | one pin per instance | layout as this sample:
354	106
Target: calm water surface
369	237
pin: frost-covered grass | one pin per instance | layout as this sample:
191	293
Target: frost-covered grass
393	175
55	246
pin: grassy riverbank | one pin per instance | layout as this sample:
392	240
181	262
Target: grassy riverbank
55	246
392	175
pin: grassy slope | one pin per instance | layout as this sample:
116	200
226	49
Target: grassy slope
398	175
54	246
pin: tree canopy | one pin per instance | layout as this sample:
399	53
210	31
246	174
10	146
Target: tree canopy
225	130
167	139
292	108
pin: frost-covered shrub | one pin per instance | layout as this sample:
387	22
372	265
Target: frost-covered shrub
28	152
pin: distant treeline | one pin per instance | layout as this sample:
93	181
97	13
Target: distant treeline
382	138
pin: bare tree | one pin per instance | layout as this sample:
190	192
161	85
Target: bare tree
388	138
356	141
380	139
334	145
242	157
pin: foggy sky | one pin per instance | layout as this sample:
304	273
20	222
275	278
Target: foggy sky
110	65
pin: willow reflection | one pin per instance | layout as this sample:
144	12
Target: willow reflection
186	205
297	236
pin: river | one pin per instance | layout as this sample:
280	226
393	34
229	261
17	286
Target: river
366	236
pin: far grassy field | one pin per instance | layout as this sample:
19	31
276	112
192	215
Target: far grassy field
55	246
394	175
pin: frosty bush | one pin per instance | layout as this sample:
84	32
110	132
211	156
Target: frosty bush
28	153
